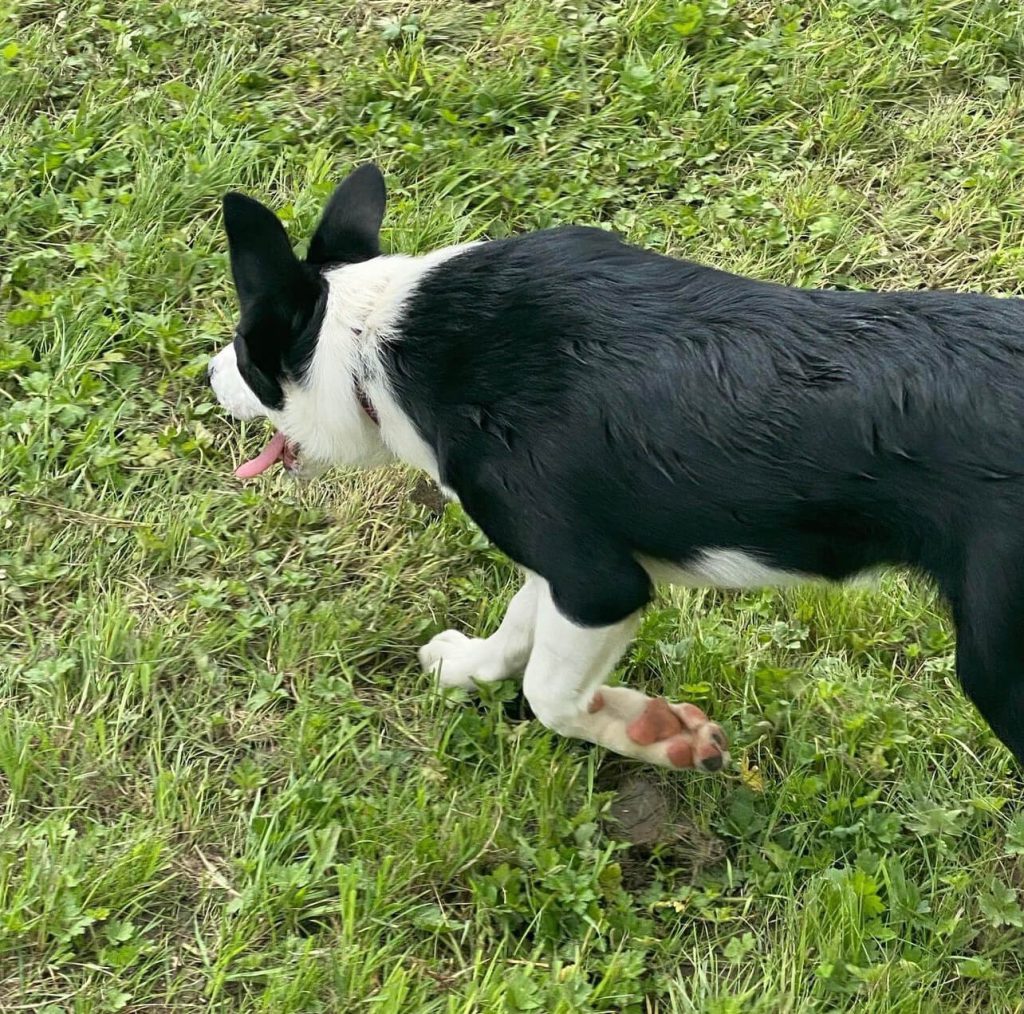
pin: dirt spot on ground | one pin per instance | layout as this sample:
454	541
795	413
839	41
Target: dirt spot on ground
647	817
640	813
427	494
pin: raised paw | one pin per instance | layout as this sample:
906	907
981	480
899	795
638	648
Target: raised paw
458	660
673	735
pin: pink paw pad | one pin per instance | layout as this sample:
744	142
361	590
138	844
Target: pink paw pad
690	739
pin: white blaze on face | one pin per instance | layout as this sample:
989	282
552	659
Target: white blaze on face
237	397
232	391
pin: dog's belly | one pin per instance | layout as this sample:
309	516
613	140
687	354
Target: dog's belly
722	568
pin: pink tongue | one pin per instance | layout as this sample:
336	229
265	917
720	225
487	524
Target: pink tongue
258	465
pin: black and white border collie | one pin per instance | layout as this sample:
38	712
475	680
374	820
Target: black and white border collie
611	417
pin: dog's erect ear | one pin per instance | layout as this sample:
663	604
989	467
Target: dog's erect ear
277	295
349	229
263	263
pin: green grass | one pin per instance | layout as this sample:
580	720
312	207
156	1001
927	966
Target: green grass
224	784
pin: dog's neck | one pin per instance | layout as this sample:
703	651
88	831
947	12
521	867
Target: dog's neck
361	396
365	404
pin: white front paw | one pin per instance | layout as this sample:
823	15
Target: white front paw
458	660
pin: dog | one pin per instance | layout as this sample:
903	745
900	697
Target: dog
612	417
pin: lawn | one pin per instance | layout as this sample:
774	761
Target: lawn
224	784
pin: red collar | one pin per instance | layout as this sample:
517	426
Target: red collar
366	405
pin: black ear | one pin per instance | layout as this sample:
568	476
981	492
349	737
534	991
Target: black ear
263	263
349	230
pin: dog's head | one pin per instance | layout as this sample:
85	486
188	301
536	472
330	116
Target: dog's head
276	366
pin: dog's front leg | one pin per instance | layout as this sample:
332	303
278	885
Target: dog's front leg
458	660
564	683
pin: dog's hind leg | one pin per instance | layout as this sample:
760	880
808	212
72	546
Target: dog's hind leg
989	614
458	660
564	684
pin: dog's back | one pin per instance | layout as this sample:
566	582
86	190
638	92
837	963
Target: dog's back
675	407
